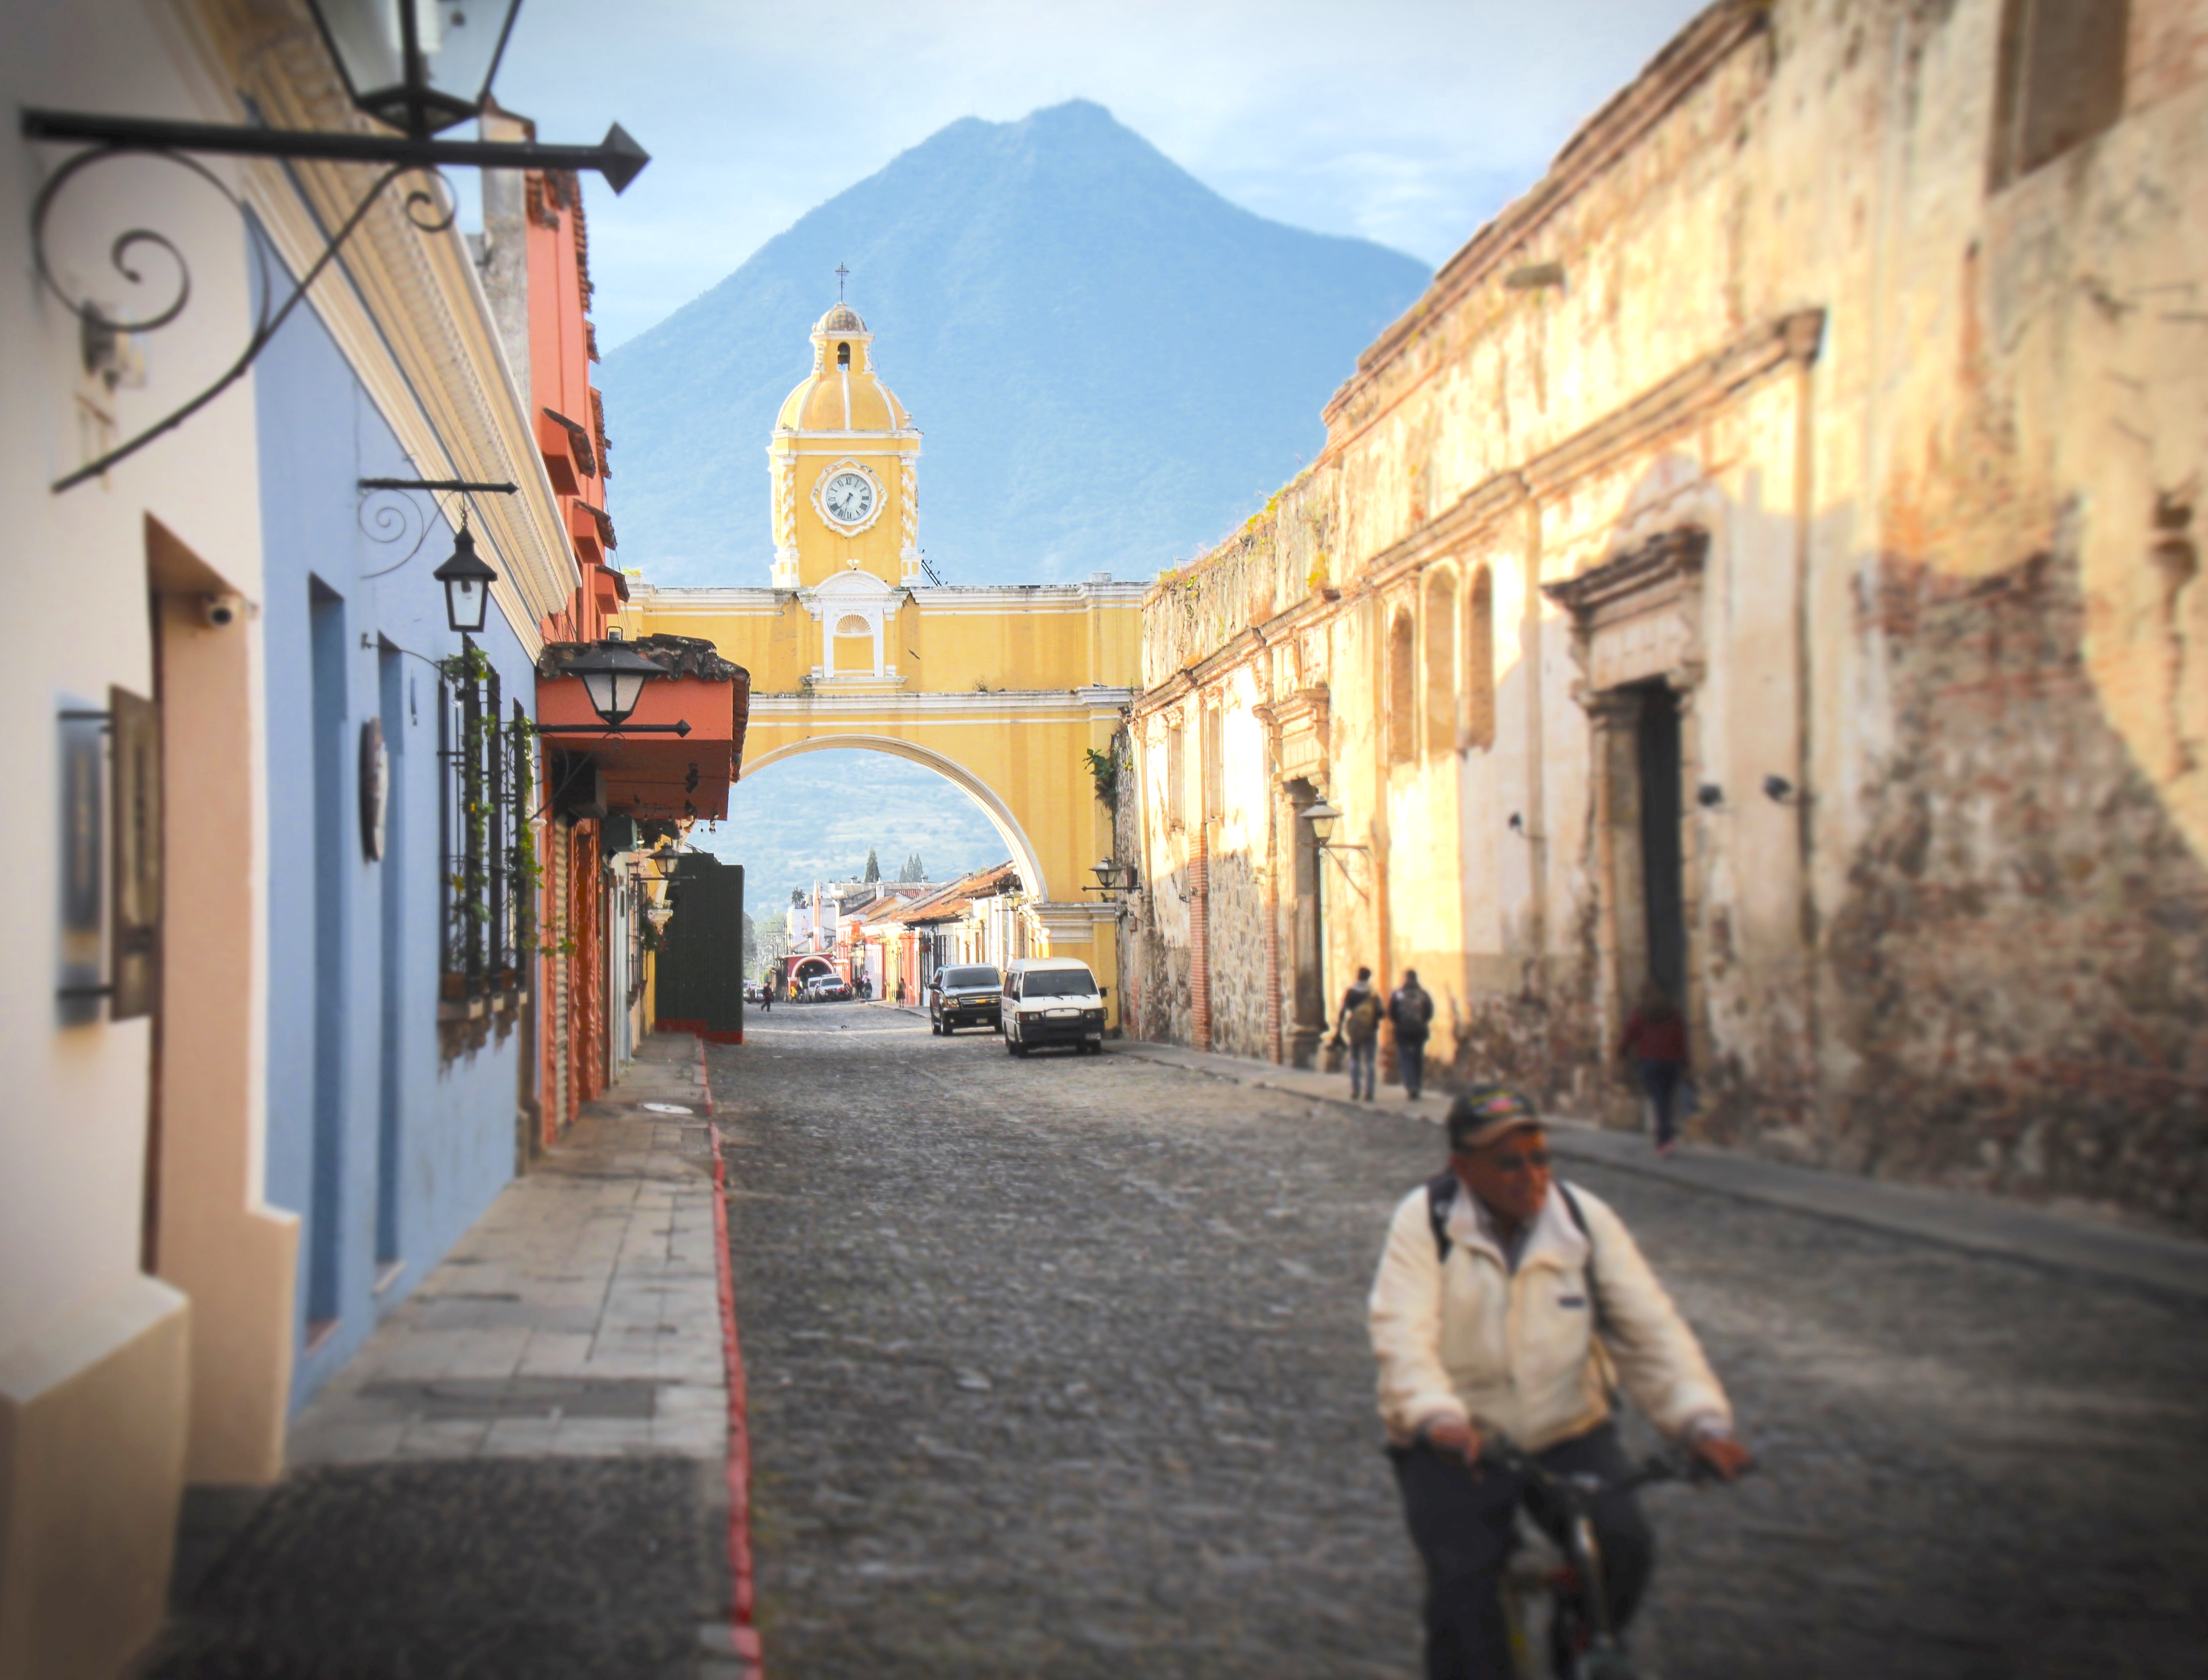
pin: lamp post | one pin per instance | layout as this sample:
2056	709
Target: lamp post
467	578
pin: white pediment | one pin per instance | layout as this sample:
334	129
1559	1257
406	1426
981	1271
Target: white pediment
856	590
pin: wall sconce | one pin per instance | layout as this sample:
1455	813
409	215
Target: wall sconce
1780	791
613	678
467	578
1323	817
1111	877
1709	795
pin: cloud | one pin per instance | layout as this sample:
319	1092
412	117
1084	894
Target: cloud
1408	121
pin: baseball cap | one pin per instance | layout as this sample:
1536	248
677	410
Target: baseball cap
1486	1112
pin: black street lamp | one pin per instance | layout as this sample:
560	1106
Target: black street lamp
1111	876
613	678
467	578
1323	817
419	65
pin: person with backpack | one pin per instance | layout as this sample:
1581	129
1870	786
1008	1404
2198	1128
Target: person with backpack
1412	1013
1359	1025
1508	1302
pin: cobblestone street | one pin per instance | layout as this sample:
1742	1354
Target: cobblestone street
1058	1367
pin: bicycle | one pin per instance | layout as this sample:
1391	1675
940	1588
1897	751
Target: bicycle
1553	1602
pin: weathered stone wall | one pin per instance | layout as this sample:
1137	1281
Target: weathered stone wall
1937	434
2021	965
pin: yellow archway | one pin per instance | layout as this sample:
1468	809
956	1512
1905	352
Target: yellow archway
1003	690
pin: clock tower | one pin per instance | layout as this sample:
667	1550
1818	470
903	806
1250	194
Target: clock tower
845	461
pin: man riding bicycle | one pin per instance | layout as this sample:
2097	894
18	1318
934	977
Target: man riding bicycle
1508	1302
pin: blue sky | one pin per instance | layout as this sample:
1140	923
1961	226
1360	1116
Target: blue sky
1409	122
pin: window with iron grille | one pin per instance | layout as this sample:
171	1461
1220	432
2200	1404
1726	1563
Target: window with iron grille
486	831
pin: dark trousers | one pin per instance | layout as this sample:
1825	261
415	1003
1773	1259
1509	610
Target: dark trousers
1360	1068
1661	1081
1411	1062
1463	1529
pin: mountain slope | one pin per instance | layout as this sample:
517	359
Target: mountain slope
1112	364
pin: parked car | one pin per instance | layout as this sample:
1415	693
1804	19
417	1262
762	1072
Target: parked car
965	997
1052	1000
827	988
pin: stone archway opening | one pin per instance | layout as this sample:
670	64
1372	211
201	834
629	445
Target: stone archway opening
993	806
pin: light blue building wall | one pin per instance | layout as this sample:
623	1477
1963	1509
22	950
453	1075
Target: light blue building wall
386	1149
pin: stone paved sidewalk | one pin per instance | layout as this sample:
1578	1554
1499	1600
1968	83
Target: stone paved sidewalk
579	1318
524	1472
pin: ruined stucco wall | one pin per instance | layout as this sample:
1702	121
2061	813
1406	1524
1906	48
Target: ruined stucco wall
1943	440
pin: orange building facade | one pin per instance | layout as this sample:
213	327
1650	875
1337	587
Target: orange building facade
610	799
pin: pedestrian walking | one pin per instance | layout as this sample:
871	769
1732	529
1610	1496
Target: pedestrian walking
1412	1013
1484	1316
766	992
1358	1026
1655	1041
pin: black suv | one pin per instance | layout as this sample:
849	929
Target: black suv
968	997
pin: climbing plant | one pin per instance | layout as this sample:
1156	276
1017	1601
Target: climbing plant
1104	771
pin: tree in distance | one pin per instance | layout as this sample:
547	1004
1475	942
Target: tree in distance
873	865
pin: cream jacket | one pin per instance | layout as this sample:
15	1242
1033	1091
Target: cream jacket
1464	1338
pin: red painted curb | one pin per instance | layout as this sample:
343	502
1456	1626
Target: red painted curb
742	1630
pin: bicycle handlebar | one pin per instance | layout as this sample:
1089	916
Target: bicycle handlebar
1674	1464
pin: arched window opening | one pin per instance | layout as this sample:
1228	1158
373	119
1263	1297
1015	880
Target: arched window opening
843	356
1402	690
1480	662
851	649
1441	663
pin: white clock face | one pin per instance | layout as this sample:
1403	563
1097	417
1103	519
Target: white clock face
848	497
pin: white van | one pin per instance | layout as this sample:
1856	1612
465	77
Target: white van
1052	1000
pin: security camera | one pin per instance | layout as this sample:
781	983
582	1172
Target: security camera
219	612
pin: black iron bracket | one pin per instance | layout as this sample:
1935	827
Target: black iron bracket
104	139
680	728
618	158
478	486
388	514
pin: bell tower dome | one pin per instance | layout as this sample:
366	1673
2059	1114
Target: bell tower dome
845	467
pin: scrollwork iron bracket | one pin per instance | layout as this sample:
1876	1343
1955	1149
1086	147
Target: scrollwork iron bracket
106	138
124	253
388	514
